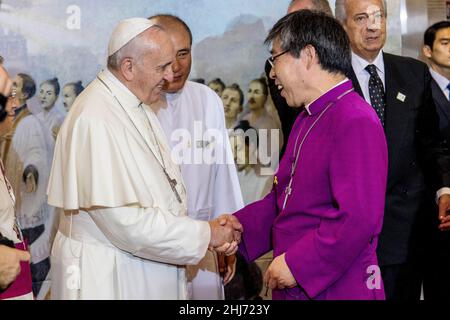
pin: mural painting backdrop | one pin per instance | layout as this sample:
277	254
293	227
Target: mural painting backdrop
68	38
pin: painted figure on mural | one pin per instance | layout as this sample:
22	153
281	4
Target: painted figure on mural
26	150
233	99
217	86
70	92
50	116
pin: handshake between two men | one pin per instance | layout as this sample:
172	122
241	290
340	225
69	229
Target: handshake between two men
226	234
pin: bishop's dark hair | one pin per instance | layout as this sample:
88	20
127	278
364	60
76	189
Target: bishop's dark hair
301	28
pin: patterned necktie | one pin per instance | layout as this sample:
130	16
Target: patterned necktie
376	91
448	87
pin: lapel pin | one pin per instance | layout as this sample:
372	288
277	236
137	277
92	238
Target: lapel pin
401	97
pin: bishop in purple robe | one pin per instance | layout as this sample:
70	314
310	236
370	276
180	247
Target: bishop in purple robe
325	212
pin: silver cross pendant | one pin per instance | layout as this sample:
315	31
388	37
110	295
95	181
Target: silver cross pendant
173	184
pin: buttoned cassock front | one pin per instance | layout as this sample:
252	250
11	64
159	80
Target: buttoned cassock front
330	225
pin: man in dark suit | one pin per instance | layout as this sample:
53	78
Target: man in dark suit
399	90
287	114
437	49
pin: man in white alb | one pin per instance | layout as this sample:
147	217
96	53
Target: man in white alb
212	185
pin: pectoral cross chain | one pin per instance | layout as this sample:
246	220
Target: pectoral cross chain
288	192
173	184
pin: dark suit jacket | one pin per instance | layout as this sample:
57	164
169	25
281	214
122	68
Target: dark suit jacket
287	114
443	109
418	157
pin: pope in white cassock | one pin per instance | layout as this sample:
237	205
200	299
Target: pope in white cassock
186	113
125	233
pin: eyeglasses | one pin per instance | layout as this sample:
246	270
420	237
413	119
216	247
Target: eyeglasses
273	58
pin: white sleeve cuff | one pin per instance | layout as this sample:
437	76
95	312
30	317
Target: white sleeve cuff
441	192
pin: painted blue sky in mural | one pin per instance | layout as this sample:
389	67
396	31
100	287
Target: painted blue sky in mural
228	35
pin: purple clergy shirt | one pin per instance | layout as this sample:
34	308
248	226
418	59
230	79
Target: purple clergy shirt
330	226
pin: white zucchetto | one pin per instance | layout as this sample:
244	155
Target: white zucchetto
126	31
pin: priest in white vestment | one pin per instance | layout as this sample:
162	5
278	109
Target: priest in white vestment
186	113
125	233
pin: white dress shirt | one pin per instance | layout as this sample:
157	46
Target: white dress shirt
359	66
442	82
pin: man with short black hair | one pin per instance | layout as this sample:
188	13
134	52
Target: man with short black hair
436	49
212	186
287	114
325	211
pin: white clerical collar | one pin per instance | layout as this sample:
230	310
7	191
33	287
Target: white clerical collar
309	104
132	99
359	64
175	95
440	79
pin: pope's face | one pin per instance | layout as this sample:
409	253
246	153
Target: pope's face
47	96
256	96
69	97
154	70
183	60
440	53
366	27
231	103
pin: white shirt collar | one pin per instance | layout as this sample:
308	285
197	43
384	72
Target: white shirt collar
440	80
309	104
175	95
359	64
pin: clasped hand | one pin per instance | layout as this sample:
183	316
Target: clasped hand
226	234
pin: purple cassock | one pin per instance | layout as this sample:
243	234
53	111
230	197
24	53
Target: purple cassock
330	225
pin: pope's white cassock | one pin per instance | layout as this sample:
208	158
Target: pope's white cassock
207	166
124	234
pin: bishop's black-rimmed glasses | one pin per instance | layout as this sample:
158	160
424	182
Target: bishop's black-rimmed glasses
275	57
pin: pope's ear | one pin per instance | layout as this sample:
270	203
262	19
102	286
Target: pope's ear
126	68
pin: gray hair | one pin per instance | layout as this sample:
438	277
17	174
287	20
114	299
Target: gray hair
341	12
133	49
317	5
